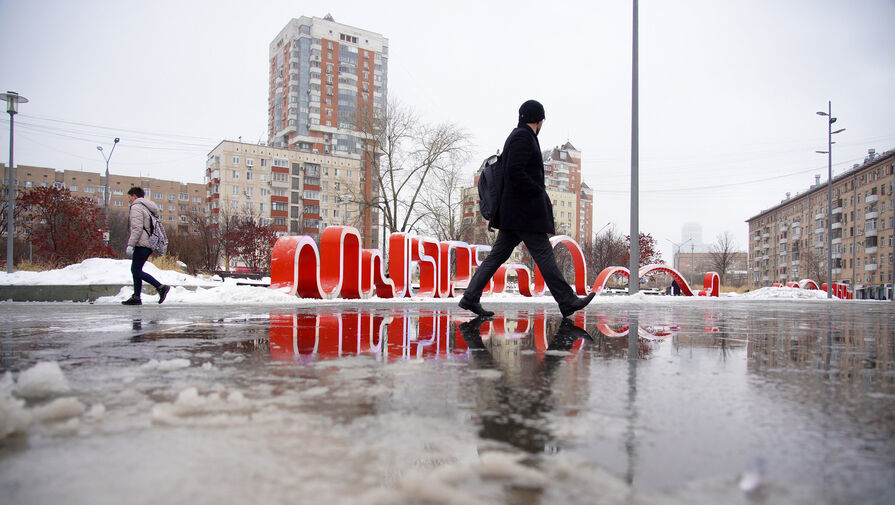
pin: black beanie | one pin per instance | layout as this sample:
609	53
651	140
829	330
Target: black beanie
531	112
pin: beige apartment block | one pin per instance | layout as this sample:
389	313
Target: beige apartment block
295	192
177	201
788	242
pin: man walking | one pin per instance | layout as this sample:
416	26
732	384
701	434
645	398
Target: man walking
138	245
524	214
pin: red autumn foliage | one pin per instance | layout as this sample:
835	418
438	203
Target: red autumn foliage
649	253
252	243
63	229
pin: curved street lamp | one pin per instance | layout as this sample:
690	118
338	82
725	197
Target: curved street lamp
13	100
108	186
829	153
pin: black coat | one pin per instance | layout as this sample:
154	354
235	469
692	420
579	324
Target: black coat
524	204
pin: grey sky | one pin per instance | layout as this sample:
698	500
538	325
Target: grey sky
728	89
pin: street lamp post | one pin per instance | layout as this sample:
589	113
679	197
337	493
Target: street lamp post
13	100
829	153
634	266
677	263
108	188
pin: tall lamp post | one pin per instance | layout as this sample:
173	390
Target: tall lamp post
634	266
829	153
108	188
13	100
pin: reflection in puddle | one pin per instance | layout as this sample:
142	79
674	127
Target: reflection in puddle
439	334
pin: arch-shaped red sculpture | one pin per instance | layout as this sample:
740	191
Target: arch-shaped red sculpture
523	278
577	261
659	267
604	276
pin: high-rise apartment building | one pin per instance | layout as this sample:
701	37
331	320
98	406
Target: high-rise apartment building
788	242
328	81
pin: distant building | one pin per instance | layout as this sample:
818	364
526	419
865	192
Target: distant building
788	242
572	201
295	192
176	200
328	81
693	267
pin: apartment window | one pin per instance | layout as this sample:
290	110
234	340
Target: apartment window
73	187
87	189
197	199
235	174
236	160
262	207
172	197
117	203
235	190
249	191
184	197
234	205
263	162
250	162
248	176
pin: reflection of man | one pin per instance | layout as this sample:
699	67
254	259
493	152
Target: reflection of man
515	411
524	214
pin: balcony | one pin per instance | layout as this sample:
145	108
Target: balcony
819	216
797	223
870	232
818	231
871	250
871	199
837	240
836	254
871	267
837	206
837	270
765	235
837	226
871	215
783	227
796	263
783	240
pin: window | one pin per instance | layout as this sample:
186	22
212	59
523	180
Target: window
73	187
250	162
236	160
87	189
235	190
249	191
117	203
184	197
171	208
248	176
235	174
263	162
262	207
197	199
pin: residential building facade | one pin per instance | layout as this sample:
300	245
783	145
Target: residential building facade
788	242
177	201
295	192
328	81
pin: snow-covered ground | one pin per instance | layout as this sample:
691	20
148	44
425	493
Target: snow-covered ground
205	290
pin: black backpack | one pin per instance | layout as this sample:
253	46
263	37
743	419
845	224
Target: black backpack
490	187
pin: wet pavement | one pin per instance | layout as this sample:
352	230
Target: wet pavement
671	401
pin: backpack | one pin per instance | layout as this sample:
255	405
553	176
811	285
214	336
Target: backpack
490	187
158	239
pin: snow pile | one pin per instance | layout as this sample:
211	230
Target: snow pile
771	293
203	409
98	271
110	271
42	381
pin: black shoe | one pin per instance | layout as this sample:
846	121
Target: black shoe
566	336
163	292
576	305
133	300
470	331
475	307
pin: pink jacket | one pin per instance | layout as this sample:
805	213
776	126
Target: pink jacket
138	218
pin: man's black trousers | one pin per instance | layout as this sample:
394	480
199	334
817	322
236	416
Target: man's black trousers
541	251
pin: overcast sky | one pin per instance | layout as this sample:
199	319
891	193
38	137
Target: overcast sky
728	89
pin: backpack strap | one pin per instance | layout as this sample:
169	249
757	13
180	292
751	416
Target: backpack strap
151	227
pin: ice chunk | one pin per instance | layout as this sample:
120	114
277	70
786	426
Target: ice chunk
14	417
43	380
59	409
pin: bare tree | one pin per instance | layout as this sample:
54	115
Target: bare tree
815	262
606	250
442	203
410	154
722	254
